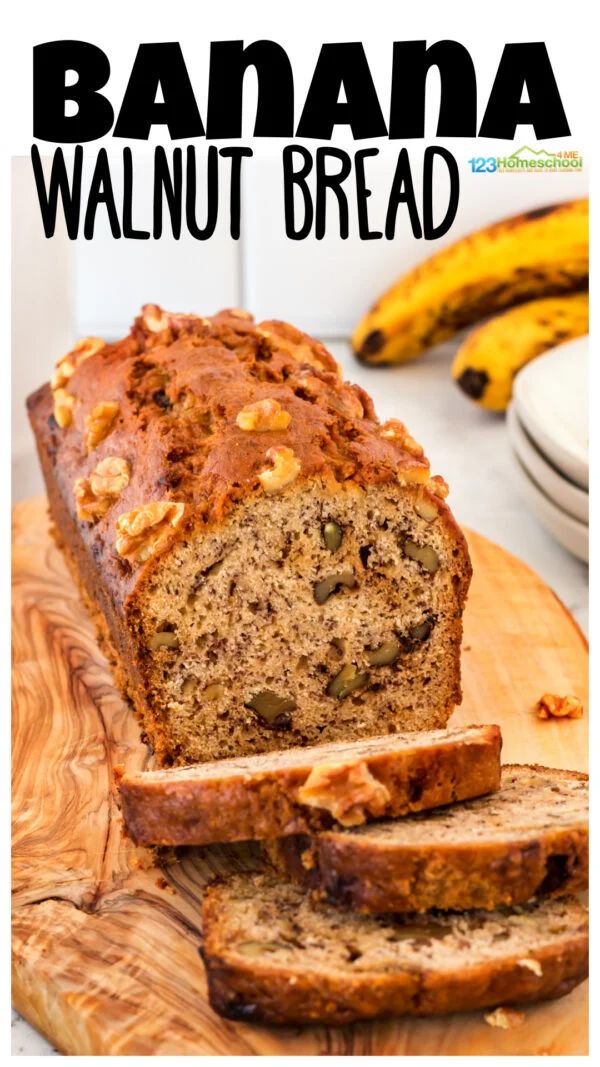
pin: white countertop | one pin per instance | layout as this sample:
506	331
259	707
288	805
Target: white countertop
470	448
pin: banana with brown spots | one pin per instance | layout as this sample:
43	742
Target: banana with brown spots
486	363
537	254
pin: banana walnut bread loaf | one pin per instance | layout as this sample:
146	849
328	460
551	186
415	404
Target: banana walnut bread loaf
267	563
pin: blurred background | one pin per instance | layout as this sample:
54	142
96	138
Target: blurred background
63	290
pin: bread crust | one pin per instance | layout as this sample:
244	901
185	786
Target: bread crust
284	998
171	808
211	356
260	991
356	873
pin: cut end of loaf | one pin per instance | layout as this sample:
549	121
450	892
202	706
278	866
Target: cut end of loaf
305	618
271	564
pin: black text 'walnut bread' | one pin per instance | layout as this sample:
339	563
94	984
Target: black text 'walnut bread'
273	955
295	790
269	564
530	837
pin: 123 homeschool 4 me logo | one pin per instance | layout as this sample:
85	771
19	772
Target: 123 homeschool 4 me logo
528	160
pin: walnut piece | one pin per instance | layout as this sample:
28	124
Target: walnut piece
262	416
96	494
394	430
423	554
110	477
89	507
154	318
100	422
142	531
163	639
551	706
63	408
438	486
284	470
182	322
349	793
214	691
347	403
300	351
413	475
505	1018
68	364
239	313
425	508
531	965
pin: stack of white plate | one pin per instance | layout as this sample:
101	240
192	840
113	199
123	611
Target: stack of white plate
548	429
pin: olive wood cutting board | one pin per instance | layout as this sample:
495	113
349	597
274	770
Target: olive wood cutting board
105	944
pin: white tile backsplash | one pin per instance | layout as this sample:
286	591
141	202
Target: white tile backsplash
113	278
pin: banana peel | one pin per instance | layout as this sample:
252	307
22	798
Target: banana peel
537	254
486	363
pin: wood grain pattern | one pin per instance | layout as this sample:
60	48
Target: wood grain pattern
105	943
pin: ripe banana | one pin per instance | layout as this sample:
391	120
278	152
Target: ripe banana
486	363
541	253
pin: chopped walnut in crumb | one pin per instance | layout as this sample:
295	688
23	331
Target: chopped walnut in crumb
96	494
349	793
262	416
239	313
100	422
68	364
438	486
555	707
63	408
394	430
284	470
505	1018
142	531
531	965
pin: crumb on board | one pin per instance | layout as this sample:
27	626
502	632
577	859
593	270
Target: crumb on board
505	1018
141	860
161	883
551	706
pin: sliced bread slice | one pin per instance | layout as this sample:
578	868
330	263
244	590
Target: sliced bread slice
302	789
274	956
531	837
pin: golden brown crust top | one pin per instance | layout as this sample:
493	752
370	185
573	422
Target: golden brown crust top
204	412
